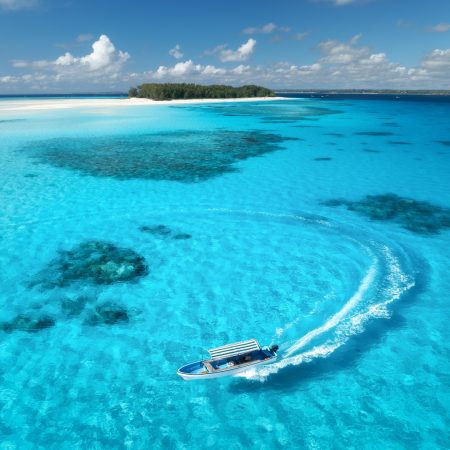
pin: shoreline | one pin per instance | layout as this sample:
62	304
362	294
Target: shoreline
66	103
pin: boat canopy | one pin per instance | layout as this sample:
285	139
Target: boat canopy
234	349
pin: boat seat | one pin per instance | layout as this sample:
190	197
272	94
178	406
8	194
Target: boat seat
208	366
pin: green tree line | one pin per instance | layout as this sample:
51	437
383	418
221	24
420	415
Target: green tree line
173	91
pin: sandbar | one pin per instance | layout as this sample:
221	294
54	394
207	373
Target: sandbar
69	103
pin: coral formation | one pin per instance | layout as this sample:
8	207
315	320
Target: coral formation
414	215
26	323
185	156
97	262
109	313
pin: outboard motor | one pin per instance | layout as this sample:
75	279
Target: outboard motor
274	348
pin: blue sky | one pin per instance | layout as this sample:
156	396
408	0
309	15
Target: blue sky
98	45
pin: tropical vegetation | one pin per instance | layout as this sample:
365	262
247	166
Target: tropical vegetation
173	91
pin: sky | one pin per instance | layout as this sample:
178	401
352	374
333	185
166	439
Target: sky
70	46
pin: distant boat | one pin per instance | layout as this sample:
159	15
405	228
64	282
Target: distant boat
229	360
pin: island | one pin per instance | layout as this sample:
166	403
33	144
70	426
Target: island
187	91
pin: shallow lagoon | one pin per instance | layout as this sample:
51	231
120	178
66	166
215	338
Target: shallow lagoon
89	352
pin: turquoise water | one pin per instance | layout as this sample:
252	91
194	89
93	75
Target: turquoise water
133	239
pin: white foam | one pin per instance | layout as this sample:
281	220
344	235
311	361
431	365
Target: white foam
397	282
261	374
281	330
334	320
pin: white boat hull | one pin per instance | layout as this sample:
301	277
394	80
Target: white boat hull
225	372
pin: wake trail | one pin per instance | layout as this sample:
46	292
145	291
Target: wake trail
334	320
390	288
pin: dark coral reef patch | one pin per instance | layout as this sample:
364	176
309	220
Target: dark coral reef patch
185	156
105	313
322	158
158	230
414	215
373	133
164	231
276	112
26	323
182	236
96	262
109	313
446	143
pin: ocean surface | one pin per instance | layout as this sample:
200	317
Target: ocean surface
134	239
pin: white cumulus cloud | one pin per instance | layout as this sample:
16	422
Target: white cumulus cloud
241	54
336	52
103	64
104	56
103	60
348	64
437	63
186	68
241	69
176	52
265	29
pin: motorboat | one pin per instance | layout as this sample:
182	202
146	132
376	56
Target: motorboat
229	360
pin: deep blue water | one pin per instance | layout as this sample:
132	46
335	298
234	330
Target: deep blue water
134	238
376	97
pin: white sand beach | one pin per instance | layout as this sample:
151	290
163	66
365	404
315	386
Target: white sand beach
69	103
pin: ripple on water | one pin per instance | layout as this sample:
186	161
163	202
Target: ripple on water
299	269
